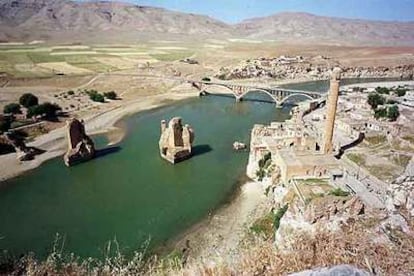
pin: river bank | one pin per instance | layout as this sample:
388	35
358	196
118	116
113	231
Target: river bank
107	121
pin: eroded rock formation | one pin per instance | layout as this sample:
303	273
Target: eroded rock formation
328	207
176	140
24	153
80	146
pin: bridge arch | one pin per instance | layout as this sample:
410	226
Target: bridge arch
206	86
261	91
296	94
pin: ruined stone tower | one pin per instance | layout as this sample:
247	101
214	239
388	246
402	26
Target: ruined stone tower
331	109
176	140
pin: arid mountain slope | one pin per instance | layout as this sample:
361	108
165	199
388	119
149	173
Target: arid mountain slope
308	27
65	20
47	19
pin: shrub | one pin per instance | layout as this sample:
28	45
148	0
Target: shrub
400	92
13	108
382	90
374	100
27	100
206	79
338	192
278	216
111	95
71	93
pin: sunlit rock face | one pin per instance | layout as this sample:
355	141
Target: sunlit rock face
176	140
80	147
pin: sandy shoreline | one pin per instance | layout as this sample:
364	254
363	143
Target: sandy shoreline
104	122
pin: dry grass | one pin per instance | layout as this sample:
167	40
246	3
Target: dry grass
354	245
357	158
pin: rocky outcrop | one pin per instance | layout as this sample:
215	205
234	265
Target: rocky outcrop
328	207
80	147
239	145
333	271
23	152
176	140
400	193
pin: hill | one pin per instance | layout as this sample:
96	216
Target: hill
99	21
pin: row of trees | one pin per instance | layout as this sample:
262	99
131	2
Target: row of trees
399	91
31	103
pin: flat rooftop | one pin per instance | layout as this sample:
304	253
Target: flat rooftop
294	158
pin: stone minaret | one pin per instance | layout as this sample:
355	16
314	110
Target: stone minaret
331	109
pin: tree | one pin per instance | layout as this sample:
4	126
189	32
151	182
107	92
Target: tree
27	100
401	92
374	100
382	90
393	113
47	110
5	123
111	95
96	97
380	113
13	108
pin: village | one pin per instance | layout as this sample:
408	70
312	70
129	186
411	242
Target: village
339	158
308	68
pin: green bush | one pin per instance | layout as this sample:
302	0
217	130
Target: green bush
71	93
393	113
400	92
111	95
28	99
338	192
382	90
380	113
13	108
374	100
278	216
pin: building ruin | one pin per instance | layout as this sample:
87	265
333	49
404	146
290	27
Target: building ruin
176	140
297	148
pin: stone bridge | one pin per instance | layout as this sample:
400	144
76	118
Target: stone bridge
278	95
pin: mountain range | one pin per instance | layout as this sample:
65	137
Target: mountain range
70	21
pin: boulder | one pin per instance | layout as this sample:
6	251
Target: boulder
80	147
239	146
329	206
176	140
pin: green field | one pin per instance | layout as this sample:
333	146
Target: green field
29	60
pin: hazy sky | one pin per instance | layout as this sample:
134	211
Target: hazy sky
236	10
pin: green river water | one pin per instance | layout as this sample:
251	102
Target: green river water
131	194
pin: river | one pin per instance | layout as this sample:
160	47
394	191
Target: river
131	195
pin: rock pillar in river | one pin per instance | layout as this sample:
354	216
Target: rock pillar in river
80	146
176	140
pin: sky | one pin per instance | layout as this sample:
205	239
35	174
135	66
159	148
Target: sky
233	11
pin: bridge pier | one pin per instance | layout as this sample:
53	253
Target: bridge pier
239	99
279	105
